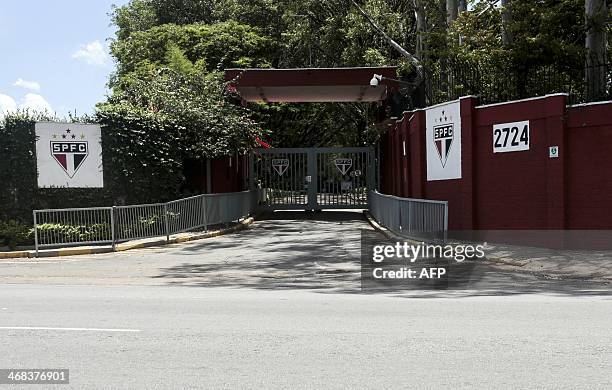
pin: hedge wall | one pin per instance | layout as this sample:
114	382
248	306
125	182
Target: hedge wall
141	163
19	192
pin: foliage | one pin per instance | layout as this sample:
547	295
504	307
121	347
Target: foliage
331	33
160	117
14	233
217	46
544	32
74	233
307	125
144	154
263	33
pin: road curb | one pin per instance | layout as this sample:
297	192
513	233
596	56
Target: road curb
155	241
14	254
499	260
184	238
388	233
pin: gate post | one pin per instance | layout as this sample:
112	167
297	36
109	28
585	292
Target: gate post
204	211
251	170
112	222
166	226
371	171
35	232
312	172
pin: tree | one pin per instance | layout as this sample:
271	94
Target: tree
462	6
506	17
513	39
421	28
595	18
451	11
411	58
217	46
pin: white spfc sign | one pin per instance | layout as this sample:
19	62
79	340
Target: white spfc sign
69	155
443	141
511	137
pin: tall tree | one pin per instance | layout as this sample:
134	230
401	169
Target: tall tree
506	16
421	28
411	58
451	11
595	17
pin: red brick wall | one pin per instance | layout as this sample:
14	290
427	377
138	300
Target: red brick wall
229	173
517	190
589	167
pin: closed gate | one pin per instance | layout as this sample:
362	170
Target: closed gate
313	178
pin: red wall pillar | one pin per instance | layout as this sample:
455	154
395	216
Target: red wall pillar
387	164
418	164
555	167
397	173
403	152
468	132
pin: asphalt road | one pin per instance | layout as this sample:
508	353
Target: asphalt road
279	306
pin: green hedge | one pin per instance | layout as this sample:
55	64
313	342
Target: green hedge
19	192
14	233
137	167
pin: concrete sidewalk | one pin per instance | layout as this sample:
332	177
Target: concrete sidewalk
553	263
544	262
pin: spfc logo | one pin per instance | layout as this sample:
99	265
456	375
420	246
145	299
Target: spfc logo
280	165
343	164
69	151
443	139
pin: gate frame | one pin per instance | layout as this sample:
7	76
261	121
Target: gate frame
312	171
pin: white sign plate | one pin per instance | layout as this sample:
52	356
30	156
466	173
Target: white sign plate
511	137
280	165
553	152
69	155
443	141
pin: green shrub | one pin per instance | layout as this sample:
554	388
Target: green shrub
57	233
13	233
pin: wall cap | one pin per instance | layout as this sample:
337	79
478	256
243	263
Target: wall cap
522	100
413	111
590	104
442	104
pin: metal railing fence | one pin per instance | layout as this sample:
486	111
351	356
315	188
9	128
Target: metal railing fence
111	225
498	80
418	218
81	226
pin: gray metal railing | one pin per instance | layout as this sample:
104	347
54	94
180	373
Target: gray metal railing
418	218
111	225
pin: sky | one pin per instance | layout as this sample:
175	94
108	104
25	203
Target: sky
54	54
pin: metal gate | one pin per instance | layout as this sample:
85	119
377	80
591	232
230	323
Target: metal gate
313	178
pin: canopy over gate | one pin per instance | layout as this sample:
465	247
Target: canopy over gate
310	85
313	178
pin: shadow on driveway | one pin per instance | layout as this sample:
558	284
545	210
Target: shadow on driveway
321	251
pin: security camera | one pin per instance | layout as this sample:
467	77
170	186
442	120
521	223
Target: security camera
376	80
